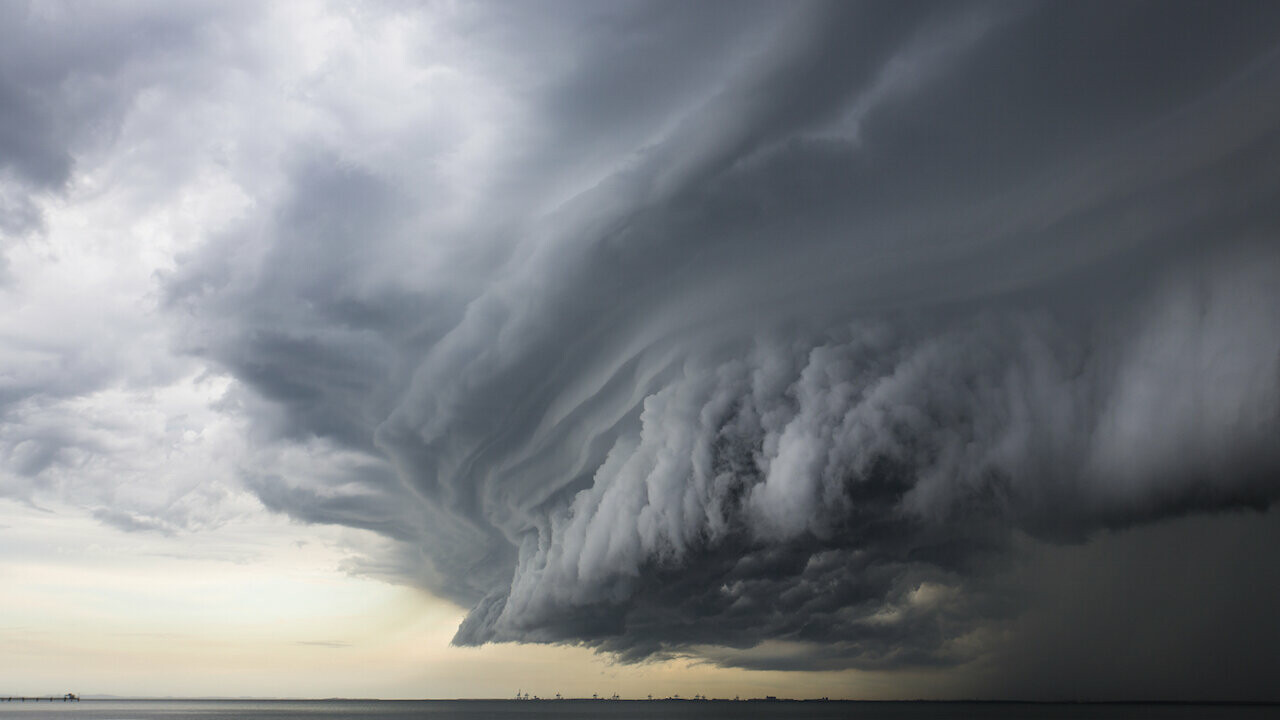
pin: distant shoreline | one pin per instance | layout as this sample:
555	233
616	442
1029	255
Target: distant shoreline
769	701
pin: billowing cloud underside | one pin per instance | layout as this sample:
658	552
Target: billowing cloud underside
769	323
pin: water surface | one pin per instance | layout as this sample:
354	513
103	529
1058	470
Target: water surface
610	710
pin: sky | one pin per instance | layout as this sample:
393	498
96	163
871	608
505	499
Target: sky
450	349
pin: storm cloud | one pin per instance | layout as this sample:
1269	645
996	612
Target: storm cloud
768	334
906	281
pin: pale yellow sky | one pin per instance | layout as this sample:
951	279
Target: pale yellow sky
260	607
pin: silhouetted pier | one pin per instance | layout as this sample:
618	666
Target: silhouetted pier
69	697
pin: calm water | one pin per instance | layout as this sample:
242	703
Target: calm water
605	710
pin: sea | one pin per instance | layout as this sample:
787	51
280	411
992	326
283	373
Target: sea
615	710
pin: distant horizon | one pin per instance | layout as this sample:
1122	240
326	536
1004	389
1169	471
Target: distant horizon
99	696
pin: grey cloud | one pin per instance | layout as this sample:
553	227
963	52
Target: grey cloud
339	507
28	143
30	447
794	492
834	330
19	216
69	75
1180	605
65	85
132	522
303	320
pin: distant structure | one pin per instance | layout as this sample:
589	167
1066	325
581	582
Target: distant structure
69	697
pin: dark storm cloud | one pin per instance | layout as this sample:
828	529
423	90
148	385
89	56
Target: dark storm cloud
294	320
1180	609
792	359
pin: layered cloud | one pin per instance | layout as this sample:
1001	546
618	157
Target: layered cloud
764	333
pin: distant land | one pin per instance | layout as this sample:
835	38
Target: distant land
766	699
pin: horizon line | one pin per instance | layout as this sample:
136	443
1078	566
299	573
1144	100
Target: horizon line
672	698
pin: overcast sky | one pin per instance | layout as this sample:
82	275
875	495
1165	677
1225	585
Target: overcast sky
439	349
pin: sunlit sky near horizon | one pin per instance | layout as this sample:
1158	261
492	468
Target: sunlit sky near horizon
448	349
262	608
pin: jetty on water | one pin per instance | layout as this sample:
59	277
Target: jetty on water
69	697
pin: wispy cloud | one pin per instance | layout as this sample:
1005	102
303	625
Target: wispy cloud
336	644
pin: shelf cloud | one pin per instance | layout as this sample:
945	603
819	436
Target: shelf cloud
907	280
761	333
